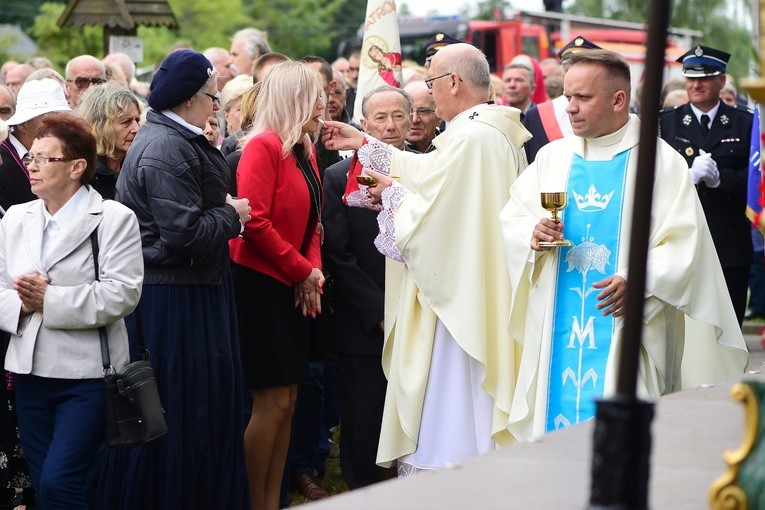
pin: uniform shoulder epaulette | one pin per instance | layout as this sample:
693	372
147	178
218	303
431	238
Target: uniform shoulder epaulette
746	109
670	109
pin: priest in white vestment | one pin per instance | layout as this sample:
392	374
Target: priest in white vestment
567	301
448	356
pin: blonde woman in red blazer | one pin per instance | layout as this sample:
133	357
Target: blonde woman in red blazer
277	265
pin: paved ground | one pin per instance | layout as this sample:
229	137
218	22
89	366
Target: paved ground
753	341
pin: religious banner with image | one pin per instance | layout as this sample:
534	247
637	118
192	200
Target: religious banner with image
380	59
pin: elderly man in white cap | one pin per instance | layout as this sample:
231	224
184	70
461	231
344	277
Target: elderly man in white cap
36	99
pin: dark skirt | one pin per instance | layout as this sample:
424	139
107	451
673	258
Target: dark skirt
191	333
273	333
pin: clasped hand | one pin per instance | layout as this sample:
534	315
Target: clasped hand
704	168
308	293
242	206
31	290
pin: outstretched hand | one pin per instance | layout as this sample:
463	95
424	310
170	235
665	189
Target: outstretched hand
340	136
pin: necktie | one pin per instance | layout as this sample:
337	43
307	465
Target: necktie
704	124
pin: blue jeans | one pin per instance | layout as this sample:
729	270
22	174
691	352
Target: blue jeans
61	422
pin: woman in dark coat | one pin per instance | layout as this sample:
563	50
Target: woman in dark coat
176	183
114	115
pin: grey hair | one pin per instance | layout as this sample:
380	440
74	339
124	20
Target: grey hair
255	41
339	79
46	72
473	69
529	71
69	64
386	88
212	81
213	52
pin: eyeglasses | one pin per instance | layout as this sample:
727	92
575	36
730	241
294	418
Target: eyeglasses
5	110
429	81
83	82
215	97
42	160
424	112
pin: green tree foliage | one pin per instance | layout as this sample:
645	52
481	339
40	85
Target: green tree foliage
202	24
297	27
708	16
22	12
60	44
205	23
486	8
345	25
6	41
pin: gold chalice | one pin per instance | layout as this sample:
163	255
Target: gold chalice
553	202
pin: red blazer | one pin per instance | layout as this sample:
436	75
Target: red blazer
280	201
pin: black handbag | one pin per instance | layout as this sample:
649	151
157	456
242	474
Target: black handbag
133	409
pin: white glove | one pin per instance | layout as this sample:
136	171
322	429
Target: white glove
704	168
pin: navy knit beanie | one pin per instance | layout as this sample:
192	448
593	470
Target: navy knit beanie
179	77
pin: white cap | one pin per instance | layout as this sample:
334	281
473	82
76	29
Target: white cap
37	97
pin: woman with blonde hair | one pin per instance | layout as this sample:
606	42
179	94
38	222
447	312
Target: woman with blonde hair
249	106
114	115
231	104
277	264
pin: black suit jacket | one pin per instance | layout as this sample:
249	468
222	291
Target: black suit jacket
357	268
728	143
539	139
14	182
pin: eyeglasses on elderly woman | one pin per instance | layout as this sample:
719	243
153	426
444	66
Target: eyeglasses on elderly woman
43	160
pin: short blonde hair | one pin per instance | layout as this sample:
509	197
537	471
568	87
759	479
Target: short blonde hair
286	102
100	107
249	105
233	90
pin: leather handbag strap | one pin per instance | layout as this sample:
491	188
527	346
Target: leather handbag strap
101	330
143	352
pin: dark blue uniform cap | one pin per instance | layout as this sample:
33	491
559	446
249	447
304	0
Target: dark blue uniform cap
704	61
576	45
437	42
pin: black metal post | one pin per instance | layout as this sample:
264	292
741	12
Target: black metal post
622	439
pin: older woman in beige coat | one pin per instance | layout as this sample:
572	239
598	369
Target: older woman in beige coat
53	307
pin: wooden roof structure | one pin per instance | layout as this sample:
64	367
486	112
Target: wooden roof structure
124	14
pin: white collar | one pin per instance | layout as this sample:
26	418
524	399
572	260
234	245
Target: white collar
177	118
20	149
69	211
712	113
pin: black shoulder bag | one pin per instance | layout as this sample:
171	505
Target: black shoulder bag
133	410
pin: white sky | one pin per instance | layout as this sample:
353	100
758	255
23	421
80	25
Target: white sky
445	7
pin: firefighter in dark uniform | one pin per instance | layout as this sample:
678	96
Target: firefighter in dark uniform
714	140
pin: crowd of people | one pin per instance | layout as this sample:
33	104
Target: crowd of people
427	314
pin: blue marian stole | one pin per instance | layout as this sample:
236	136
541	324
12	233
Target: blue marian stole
581	335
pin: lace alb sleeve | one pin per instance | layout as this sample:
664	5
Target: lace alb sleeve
375	155
385	242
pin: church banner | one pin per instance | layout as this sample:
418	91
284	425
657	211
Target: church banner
380	59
